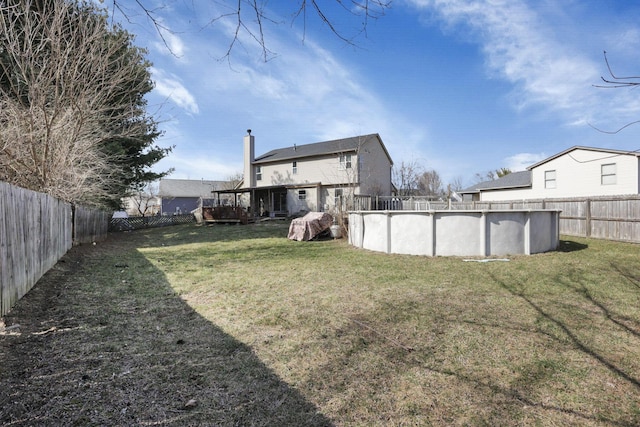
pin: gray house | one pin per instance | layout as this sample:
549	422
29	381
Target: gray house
515	180
180	196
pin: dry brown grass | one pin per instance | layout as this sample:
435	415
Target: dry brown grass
260	330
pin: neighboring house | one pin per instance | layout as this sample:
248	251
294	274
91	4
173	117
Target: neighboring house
509	187
315	177
575	172
180	196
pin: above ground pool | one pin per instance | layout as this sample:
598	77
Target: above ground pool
456	232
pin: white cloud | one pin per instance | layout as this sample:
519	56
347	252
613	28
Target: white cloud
307	93
521	161
170	86
170	43
549	65
189	165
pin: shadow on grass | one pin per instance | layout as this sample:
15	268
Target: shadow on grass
521	393
632	276
503	402
630	325
104	340
572	336
571	246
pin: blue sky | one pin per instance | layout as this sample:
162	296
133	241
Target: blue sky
461	87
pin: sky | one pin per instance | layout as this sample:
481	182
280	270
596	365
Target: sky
458	86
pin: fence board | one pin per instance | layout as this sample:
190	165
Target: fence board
35	231
89	225
612	218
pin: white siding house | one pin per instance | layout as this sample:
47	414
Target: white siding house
575	172
315	177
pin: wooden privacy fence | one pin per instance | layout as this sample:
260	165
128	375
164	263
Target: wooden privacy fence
605	217
36	230
602	218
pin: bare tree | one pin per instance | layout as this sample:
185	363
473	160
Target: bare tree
406	178
60	66
430	184
347	180
146	201
232	181
616	82
485	176
455	184
251	16
503	172
491	175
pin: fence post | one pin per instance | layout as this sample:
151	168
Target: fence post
73	222
587	217
483	233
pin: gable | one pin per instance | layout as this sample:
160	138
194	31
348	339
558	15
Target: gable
577	148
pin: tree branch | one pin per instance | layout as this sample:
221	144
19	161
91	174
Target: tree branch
617	82
366	9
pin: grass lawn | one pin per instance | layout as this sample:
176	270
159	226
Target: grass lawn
237	325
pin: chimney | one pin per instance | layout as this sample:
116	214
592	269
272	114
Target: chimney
249	157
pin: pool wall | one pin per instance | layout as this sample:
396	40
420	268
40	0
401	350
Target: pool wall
456	232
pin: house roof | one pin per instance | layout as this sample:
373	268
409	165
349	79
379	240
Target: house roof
581	147
512	180
336	146
189	187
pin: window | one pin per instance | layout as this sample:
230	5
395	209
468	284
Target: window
550	179
258	173
608	174
302	194
345	161
295	168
